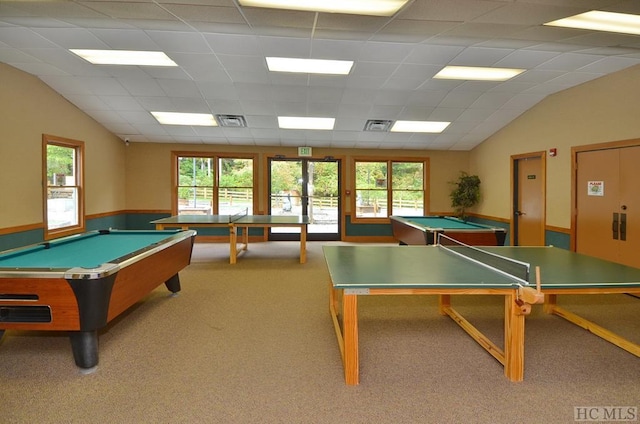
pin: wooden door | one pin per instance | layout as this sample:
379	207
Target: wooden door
608	204
529	201
597	193
630	205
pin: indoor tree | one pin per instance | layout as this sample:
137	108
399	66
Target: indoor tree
465	193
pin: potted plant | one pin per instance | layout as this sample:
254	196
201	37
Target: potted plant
465	193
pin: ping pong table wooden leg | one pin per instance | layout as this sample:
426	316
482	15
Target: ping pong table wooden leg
233	240
350	335
444	302
513	339
245	238
550	303
303	244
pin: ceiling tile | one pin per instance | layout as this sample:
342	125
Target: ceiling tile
220	49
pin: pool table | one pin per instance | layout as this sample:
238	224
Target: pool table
82	282
421	230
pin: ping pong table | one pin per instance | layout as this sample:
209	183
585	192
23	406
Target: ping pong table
242	221
431	270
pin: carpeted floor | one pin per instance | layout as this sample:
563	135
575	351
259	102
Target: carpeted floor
254	343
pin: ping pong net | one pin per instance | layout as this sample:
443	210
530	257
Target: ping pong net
511	268
238	215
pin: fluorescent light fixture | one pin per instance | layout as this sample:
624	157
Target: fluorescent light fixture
309	66
354	7
124	57
601	21
302	123
477	73
176	118
419	126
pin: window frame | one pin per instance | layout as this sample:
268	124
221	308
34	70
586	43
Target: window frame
389	186
79	148
215	156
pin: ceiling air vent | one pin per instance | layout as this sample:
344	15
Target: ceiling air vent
378	125
232	121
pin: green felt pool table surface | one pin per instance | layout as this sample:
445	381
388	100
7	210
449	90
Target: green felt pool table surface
88	250
421	230
444	222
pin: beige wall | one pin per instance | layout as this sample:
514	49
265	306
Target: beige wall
28	109
138	177
600	111
148	170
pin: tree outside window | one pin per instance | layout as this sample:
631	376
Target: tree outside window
385	188
212	185
235	191
63	182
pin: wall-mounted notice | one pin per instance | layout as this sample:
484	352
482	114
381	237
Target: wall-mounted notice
596	188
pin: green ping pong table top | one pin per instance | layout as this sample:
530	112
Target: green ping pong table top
361	266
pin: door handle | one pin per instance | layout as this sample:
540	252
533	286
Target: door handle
615	225
519	213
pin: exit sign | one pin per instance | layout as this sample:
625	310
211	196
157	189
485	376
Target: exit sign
304	151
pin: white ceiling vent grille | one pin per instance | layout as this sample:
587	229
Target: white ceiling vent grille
232	121
377	125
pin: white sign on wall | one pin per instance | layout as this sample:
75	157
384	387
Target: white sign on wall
596	188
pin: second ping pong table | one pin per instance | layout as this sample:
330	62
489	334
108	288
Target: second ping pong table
429	270
244	222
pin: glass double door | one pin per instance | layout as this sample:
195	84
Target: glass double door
305	187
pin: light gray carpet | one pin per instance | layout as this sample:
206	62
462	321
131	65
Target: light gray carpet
254	343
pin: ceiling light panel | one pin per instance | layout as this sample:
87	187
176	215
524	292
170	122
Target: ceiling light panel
305	123
477	73
601	21
353	7
124	57
309	66
176	118
419	126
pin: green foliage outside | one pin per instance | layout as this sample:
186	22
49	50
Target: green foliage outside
200	172
286	176
59	161
372	186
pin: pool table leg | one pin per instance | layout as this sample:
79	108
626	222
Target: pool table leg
84	345
173	284
1	334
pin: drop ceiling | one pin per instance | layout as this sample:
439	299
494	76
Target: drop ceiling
221	48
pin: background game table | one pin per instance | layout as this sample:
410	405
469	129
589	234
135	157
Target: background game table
414	270
82	282
421	230
233	222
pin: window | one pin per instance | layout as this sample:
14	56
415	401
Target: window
385	188
63	182
213	184
235	190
